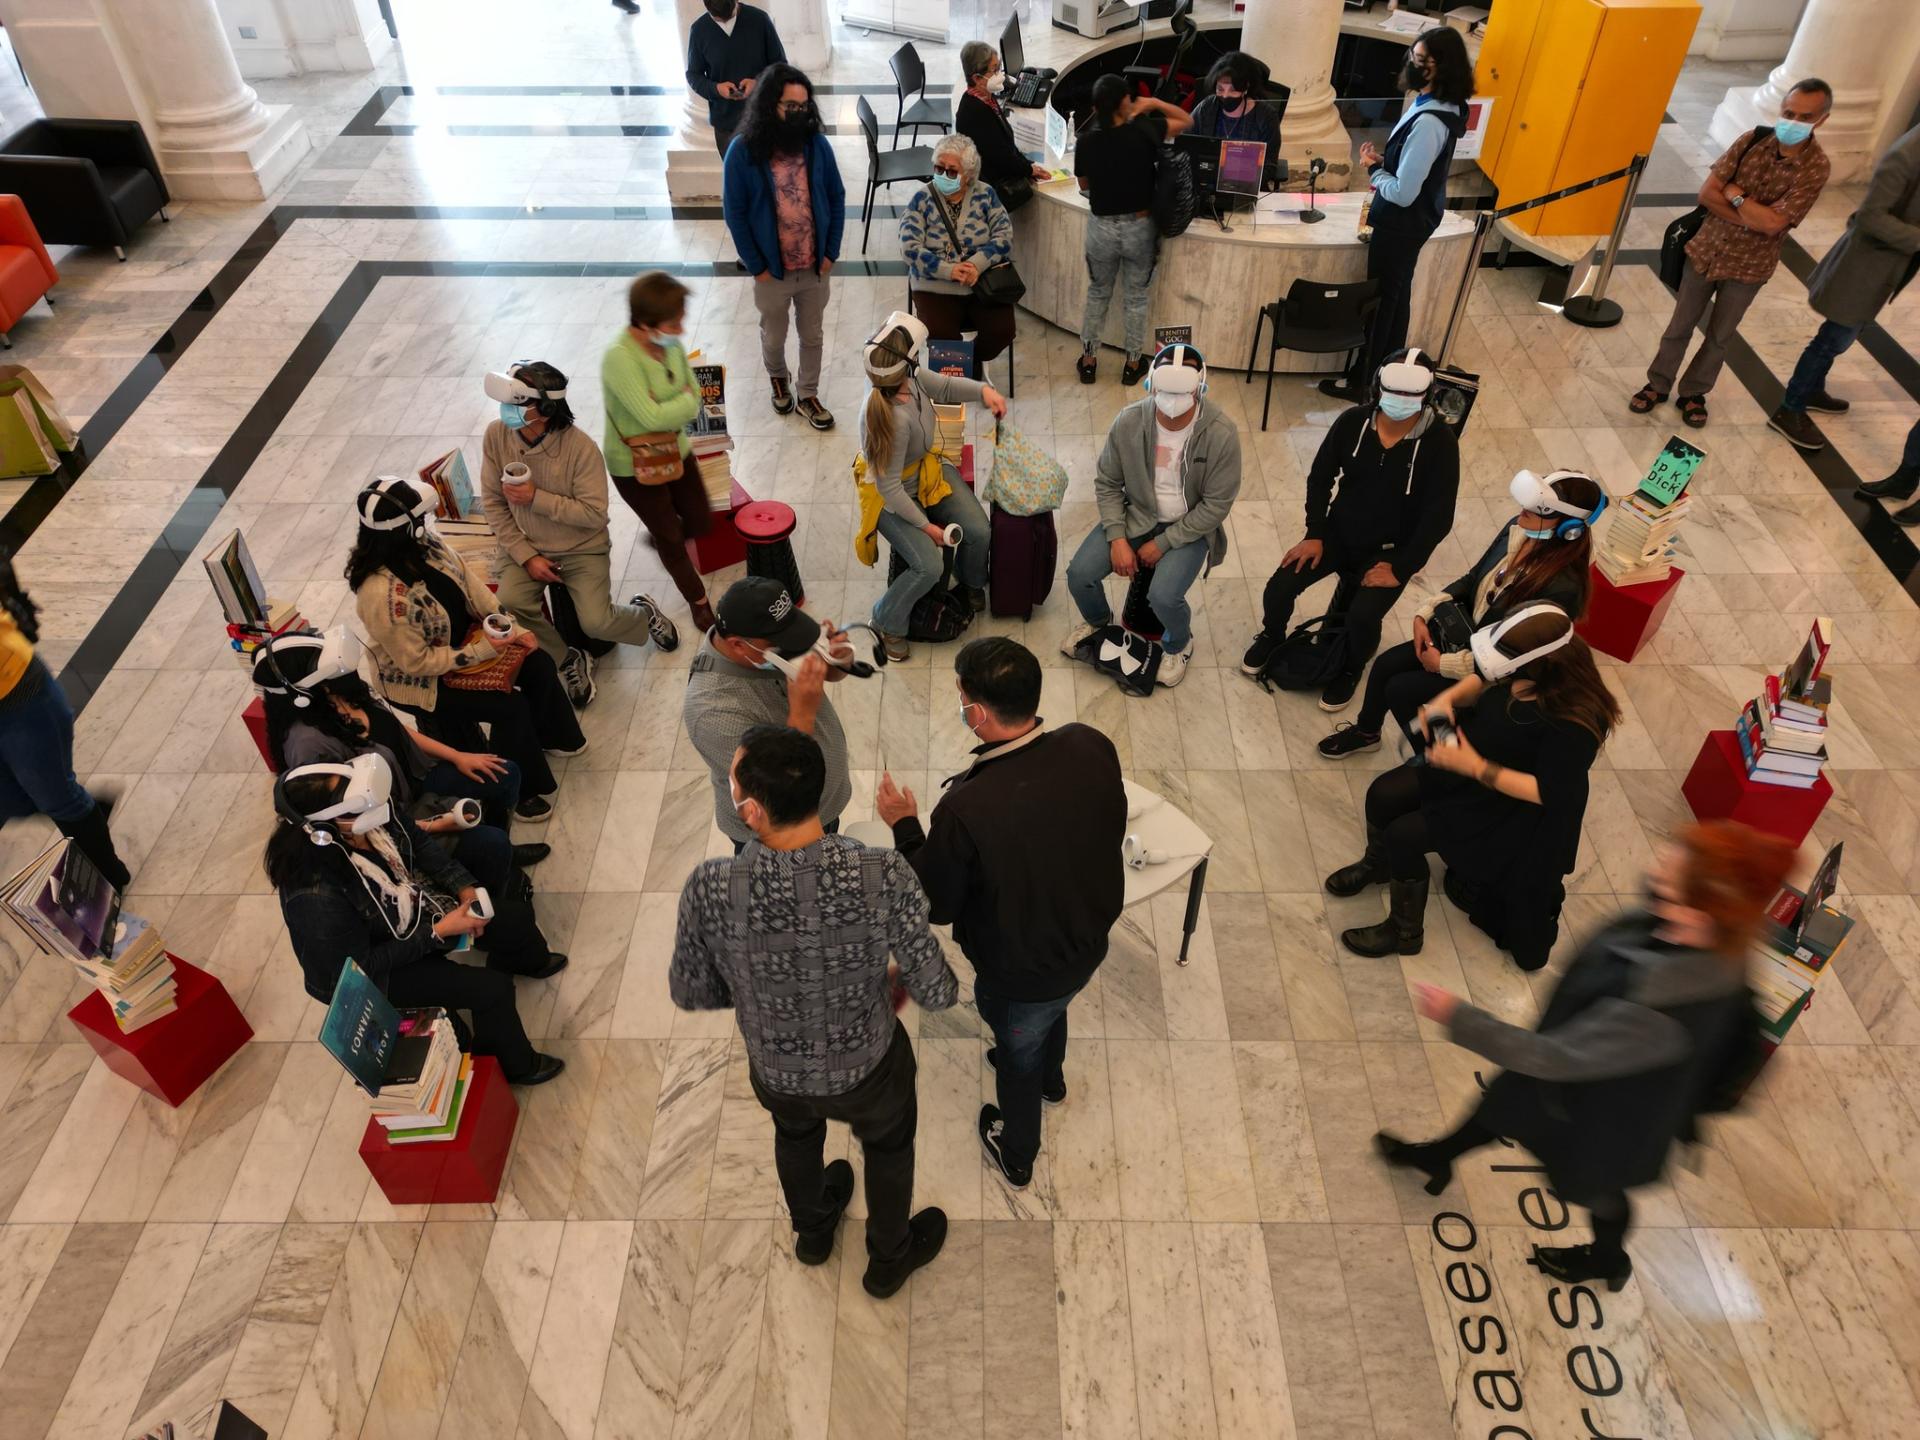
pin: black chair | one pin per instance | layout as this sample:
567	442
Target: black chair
1315	318
84	182
982	368
884	167
910	78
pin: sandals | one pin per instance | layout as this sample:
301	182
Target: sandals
1644	399
1692	408
1087	367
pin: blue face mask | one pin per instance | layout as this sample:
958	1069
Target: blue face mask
1546	534
1791	132
1399	407
514	417
948	185
668	342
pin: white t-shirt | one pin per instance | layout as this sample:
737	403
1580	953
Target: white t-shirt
1169	493
727	24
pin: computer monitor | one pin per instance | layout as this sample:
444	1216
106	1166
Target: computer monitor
1013	55
1241	164
1203	155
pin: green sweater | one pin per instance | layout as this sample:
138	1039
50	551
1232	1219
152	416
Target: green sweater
644	395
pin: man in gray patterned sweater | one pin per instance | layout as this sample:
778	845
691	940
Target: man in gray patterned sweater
793	934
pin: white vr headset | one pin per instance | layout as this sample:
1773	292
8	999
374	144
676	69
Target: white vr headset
1496	664
859	658
366	805
335	653
1170	374
502	386
1534	494
425	502
882	356
1407	377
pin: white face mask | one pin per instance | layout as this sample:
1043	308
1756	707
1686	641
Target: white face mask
1171	405
996	82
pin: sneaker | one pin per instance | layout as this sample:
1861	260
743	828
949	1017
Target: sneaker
1348	739
897	648
1173	666
1339	387
545	1068
525	855
815	1247
1798	429
576	677
815	414
1338	693
976	599
1900	485
1018	1177
1134	369
1827	404
1049	1094
1087	367
1080	635
926	1233
1259	652
666	635
534	810
782	397
566	754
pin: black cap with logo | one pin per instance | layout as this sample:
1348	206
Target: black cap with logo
759	608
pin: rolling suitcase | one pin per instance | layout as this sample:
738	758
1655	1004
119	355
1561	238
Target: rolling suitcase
1023	552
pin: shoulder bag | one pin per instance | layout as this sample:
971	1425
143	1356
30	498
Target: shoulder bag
1679	235
998	284
491	676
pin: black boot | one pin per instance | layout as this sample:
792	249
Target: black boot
1575	1264
1406	1155
1900	485
90	833
1404	929
1369	869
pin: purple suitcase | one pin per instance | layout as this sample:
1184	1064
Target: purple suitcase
1022	554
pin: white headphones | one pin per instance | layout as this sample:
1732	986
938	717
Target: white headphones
336	653
859	659
1494	663
1134	851
367	799
501	385
883	354
414	518
1535	495
1176	376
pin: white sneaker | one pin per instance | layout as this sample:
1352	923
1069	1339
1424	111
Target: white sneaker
1173	666
1079	636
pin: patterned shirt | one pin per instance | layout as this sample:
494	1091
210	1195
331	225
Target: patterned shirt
1786	182
795	943
793	210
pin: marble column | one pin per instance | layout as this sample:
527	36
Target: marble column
1296	39
693	165
1843	42
806	32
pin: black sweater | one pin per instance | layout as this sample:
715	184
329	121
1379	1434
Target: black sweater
1396	503
1023	859
992	136
713	56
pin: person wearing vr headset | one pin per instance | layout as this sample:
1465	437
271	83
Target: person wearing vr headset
1165	480
1380	497
550	516
1499	792
766	663
358	881
1651	1026
422	610
36	739
1540	554
919	501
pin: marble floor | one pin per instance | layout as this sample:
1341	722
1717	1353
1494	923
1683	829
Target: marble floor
1208	1248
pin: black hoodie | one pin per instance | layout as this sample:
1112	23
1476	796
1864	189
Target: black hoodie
1395	503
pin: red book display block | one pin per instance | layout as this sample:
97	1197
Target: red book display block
1718	788
1622	618
173	1056
722	546
462	1171
254	717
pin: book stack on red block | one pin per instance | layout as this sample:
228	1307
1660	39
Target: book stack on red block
463	1170
175	1055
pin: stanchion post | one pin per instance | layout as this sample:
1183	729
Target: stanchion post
1595	311
1482	224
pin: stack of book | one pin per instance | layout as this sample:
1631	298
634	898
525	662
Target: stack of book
408	1061
1800	937
246	640
950	431
1783	730
451	483
472	539
69	909
1642	533
712	445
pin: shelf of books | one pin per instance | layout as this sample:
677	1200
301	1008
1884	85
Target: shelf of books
1799	939
441	1120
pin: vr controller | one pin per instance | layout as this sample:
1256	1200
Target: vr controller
840	652
465	814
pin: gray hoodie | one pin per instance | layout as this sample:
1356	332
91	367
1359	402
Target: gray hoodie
1209	472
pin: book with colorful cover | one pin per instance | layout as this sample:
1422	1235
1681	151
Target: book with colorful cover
708	428
451	482
1672	471
361	1029
450	1127
1165	335
1797	680
950	357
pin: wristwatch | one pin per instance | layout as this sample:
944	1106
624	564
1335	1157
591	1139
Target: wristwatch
1736	201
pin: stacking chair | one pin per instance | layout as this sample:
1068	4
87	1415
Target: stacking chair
1316	318
910	79
884	167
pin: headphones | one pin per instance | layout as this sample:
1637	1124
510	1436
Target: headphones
1411	375
414	518
1172	360
878	345
502	385
1494	663
1535	495
337	653
366	799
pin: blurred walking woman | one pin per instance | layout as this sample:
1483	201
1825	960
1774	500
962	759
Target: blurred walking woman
1651	1026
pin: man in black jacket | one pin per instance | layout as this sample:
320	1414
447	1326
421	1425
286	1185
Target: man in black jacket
1380	497
1023	859
726	48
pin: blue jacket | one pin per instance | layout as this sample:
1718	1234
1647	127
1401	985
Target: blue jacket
746	200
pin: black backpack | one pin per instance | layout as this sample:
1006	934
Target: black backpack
1132	660
1173	193
1314	652
940	615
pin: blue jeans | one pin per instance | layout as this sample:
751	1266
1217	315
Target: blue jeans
1167	594
36	755
1031	1036
1123	248
891	612
497	797
1829	343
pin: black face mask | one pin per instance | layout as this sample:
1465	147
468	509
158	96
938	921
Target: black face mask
1412	77
722	10
792	135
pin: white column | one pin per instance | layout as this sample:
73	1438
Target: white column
693	165
806	32
1745	29
1845	43
1295	39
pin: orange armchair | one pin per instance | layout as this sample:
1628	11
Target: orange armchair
26	271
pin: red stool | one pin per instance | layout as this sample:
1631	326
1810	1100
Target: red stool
254	717
722	546
462	1171
767	528
1718	788
173	1056
1622	618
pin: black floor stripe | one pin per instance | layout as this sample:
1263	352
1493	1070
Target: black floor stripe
366	120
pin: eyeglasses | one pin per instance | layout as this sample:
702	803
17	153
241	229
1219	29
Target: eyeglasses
951	171
793	108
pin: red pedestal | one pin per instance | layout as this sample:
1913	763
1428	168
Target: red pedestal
462	1171
254	717
966	465
173	1056
1622	618
722	546
1717	787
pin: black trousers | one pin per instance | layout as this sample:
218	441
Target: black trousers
522	723
1366	609
1392	257
1611	1212
1398	685
1393	808
884	1113
487	995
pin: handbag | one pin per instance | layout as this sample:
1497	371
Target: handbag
656	456
1025	480
1449	628
1014	191
495	676
1312	654
1679	235
998	284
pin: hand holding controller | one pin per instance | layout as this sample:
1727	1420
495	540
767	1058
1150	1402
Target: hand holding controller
482	903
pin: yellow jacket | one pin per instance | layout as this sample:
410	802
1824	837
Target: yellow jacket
16	654
933	489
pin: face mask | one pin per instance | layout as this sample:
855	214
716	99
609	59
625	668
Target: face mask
791	135
667	342
964	708
1170	405
1229	100
1412	77
1791	132
1537	534
948	185
996	82
1399	407
514	417
721	12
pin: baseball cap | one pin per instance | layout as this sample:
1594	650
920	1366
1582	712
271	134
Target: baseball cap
759	608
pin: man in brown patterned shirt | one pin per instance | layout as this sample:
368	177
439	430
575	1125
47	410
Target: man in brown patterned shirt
1761	188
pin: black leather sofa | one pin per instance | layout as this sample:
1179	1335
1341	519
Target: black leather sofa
84	182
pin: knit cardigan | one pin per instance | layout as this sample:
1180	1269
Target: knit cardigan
411	635
986	237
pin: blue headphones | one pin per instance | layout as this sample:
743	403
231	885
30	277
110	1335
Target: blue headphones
1535	494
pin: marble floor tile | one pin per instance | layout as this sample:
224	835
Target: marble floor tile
428	1330
1172	1378
1793	1385
1020	1326
570	1358
285	1320
350	1343
946	1367
502	1329
1250	1391
54	1337
1324	1367
1095	1324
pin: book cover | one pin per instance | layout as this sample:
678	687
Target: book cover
1797	680
360	1028
950	357
1671	472
1165	335
709	424
236	582
80	903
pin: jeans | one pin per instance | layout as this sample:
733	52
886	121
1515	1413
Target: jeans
1167	594
673	513
806	292
892	611
589	584
1123	246
1398	685
36	754
1829	343
497	797
1723	303
1031	1036
883	1112
1367	605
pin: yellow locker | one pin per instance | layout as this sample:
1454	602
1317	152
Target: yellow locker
1501	67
